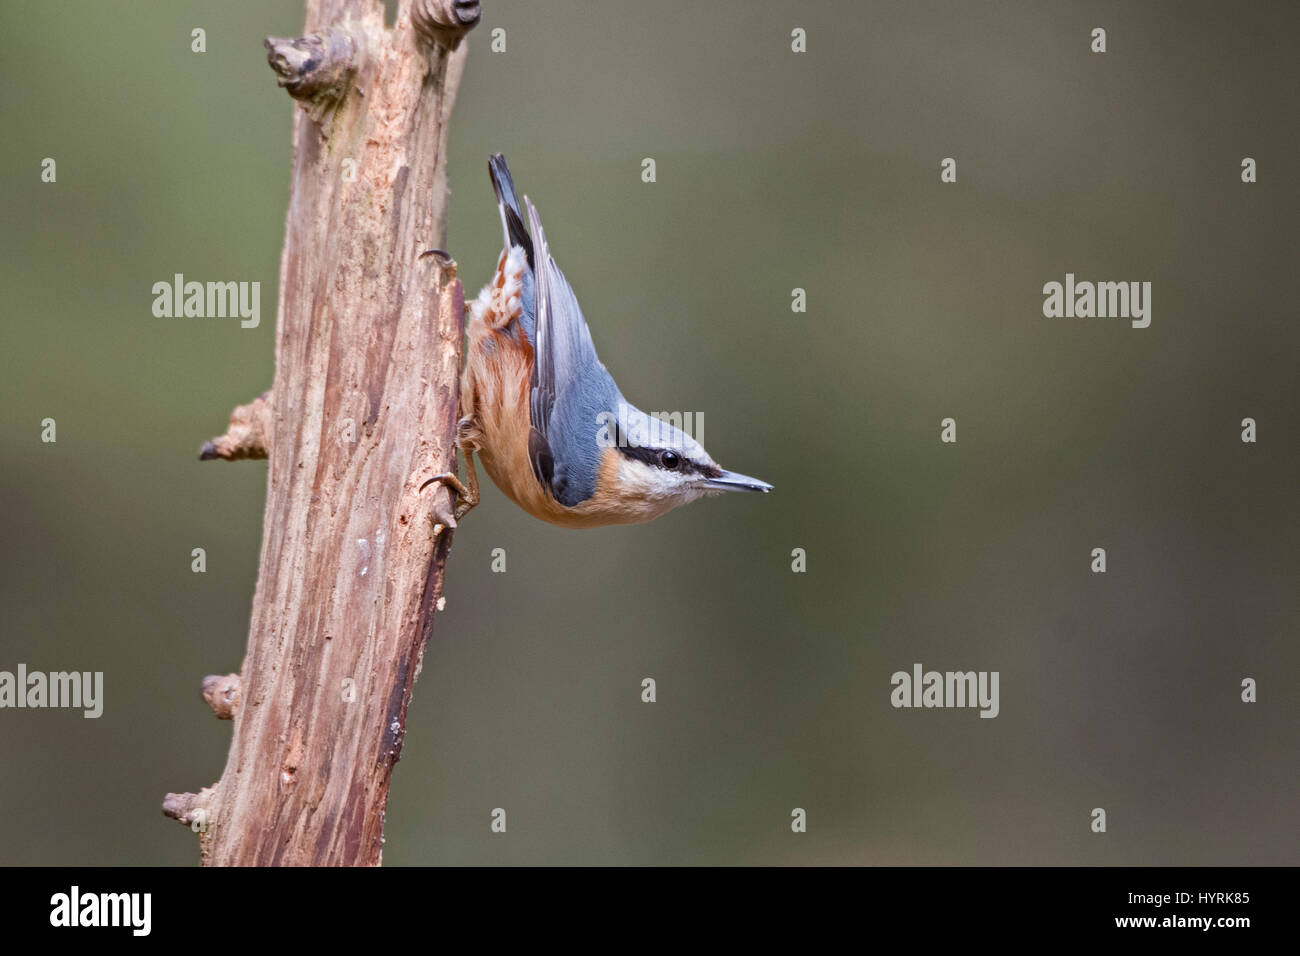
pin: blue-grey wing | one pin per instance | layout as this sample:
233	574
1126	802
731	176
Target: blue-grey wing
570	387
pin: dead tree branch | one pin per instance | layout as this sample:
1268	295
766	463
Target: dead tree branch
363	409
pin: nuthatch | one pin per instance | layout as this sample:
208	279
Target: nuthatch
541	411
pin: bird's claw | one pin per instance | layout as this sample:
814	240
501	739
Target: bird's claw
445	260
466	498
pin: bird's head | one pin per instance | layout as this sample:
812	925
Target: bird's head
659	467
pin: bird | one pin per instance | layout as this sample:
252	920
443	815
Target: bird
542	413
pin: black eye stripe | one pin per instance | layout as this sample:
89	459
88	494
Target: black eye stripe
651	456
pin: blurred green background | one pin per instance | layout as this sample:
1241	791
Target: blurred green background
775	170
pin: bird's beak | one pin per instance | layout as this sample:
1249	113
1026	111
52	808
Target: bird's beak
730	481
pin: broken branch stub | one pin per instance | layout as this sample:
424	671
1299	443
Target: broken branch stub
247	435
222	694
315	67
445	21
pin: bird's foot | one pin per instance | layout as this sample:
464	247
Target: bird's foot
445	261
465	494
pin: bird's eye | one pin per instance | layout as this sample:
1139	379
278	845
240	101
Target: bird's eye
669	459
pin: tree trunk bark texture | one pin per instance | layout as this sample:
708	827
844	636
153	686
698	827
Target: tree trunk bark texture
361	413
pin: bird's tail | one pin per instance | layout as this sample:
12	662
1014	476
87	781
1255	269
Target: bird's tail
512	219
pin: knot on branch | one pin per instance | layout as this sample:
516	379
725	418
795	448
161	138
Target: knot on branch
248	435
222	694
191	809
445	22
314	68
